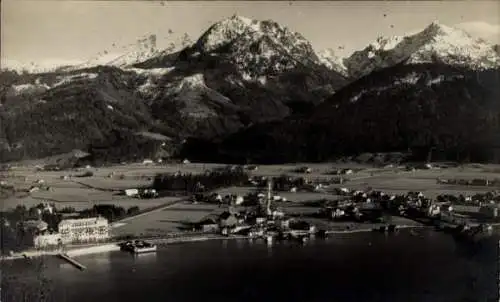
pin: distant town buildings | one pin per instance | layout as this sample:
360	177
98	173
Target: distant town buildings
84	230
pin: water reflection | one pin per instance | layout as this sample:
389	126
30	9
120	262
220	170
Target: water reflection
240	243
101	261
64	266
145	258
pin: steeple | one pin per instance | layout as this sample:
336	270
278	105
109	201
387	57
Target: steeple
269	196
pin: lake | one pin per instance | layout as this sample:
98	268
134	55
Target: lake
350	267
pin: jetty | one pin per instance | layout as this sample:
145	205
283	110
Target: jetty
72	261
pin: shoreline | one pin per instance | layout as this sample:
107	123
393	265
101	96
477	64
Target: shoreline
111	247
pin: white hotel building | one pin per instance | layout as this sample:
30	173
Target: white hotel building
84	230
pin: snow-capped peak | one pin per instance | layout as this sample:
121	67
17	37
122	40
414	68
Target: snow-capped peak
41	67
256	47
225	31
436	43
328	58
143	49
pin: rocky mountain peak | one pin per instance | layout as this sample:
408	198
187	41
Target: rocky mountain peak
256	47
436	43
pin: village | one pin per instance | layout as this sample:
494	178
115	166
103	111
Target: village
295	203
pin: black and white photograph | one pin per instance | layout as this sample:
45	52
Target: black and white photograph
297	151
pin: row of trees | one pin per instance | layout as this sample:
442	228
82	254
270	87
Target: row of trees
109	211
200	182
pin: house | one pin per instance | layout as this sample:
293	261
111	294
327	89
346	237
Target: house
208	224
227	219
347	171
285	223
434	210
278	214
132	192
33	189
148	193
147	162
238	200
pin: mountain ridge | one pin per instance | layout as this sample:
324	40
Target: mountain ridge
180	95
260	85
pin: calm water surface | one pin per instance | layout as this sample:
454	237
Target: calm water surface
361	267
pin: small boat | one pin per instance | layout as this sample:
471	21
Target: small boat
144	247
138	247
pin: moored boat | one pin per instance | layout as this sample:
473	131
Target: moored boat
144	247
138	247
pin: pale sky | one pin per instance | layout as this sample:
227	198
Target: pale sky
67	31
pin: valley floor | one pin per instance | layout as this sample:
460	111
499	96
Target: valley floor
102	188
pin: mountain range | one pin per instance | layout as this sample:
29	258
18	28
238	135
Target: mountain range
255	90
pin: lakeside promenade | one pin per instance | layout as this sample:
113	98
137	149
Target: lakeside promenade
172	238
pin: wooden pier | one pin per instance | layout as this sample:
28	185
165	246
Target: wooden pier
498	270
72	261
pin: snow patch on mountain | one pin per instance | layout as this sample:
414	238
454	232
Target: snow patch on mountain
436	43
193	81
152	76
153	72
328	58
412	78
62	80
24	89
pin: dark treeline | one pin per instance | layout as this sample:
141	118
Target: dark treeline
13	236
284	183
198	182
109	211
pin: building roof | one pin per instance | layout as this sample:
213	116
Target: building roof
83	220
225	215
208	220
